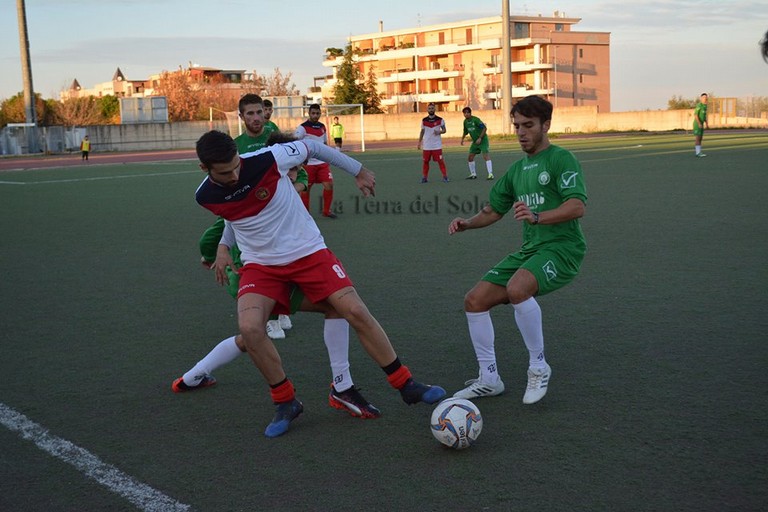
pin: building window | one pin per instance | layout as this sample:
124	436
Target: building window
522	30
441	38
581	78
558	27
581	53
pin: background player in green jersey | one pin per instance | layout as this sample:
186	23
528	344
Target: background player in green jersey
546	192
268	110
699	122
477	132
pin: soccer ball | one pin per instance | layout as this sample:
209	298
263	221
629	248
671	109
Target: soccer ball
457	423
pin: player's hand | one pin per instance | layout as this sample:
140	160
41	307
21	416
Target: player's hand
366	182
438	131
219	267
205	263
522	212
458	225
462	142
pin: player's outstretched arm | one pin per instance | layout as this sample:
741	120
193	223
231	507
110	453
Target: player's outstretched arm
223	260
481	219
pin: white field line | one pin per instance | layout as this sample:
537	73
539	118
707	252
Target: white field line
97	178
141	495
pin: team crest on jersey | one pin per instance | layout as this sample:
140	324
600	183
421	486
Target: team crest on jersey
544	178
262	193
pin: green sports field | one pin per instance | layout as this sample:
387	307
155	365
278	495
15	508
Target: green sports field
659	394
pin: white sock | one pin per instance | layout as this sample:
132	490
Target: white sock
336	337
528	318
482	335
472	168
698	149
223	353
489	167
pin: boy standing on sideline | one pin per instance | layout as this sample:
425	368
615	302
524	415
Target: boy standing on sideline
699	122
431	143
477	132
281	245
546	192
337	133
318	171
85	148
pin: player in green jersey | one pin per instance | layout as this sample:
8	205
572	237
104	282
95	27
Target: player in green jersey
268	110
546	192
699	122
477	132
257	132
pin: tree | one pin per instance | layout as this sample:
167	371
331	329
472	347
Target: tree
110	109
352	86
278	85
183	100
84	111
373	105
678	103
12	111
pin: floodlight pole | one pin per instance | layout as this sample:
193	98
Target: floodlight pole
506	69
30	114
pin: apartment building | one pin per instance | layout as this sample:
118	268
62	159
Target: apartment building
459	64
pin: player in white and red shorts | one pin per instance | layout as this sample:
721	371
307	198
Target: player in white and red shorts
281	244
431	143
317	170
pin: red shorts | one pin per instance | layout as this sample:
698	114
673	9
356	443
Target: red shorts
320	173
432	154
318	275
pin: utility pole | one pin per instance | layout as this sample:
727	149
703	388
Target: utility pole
506	69
30	113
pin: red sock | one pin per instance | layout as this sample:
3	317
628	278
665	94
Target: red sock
305	197
282	392
327	200
399	377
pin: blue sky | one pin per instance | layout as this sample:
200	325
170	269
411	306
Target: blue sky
659	48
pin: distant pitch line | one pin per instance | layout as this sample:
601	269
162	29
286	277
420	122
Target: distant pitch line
141	495
96	178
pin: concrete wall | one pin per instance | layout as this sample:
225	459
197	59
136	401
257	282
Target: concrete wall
143	137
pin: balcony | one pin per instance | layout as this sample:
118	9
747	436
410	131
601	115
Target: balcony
409	75
437	97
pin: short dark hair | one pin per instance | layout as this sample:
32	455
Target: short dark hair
280	138
215	147
314	106
248	99
466	109
267	103
703	94
764	47
533	106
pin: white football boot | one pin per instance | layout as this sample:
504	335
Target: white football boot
538	380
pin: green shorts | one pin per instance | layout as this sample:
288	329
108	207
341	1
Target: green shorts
553	267
483	147
698	129
297	296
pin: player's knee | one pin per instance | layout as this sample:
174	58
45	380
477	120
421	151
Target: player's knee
517	294
474	302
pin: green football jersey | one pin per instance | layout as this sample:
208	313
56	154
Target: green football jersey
473	126
700	113
247	144
543	182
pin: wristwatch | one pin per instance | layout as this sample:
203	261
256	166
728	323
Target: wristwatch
535	218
